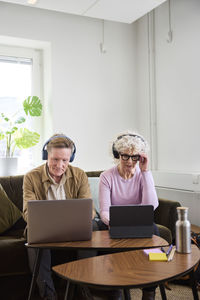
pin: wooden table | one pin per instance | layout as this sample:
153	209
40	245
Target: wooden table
195	228
131	269
100	241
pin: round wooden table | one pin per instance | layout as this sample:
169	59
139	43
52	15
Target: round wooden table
130	269
100	241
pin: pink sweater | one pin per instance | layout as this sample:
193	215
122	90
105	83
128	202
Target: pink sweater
115	190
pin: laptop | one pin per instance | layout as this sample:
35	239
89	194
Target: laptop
59	220
131	221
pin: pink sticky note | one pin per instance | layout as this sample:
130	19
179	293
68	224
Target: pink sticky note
153	250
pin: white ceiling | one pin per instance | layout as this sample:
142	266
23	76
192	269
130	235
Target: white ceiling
126	11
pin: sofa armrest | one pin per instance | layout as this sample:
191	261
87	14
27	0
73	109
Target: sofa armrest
166	215
165	233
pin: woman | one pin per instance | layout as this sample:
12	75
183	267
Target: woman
128	182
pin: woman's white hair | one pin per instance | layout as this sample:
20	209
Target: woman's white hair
132	141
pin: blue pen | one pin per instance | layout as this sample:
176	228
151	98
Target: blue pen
169	250
162	249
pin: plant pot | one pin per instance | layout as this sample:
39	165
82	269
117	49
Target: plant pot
8	166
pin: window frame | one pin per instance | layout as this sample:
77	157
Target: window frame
36	55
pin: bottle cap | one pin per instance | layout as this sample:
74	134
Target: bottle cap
182	208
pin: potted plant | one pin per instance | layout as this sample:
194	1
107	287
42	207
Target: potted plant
13	131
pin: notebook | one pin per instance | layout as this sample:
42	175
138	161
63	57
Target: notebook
131	221
59	220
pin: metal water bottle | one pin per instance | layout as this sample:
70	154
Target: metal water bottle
183	231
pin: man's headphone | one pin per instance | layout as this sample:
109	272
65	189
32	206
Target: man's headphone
45	153
115	152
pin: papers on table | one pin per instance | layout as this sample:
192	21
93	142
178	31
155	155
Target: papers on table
156	254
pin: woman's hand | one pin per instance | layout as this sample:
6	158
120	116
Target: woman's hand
143	162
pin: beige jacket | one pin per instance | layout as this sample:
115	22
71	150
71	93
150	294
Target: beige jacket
37	182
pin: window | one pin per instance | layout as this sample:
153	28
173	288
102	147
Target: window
20	74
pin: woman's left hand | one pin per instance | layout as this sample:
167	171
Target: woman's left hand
143	162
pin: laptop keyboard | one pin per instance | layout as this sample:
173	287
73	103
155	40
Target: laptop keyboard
131	232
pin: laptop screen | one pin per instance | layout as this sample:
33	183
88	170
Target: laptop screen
59	220
127	215
131	221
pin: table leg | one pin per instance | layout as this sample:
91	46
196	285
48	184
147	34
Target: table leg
71	290
67	290
193	285
35	272
127	295
162	291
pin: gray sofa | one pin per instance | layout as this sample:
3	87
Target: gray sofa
14	270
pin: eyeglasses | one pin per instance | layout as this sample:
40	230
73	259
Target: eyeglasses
133	157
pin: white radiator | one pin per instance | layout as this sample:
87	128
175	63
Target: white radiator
187	198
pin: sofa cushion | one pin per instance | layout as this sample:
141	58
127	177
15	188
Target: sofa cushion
17	230
9	213
13	187
94	187
13	253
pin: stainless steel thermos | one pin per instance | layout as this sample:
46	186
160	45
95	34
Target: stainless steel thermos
183	231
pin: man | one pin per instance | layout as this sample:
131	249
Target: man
54	180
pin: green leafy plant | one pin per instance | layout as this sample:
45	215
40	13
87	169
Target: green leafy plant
12	128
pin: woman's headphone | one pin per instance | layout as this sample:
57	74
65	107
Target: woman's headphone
115	152
45	153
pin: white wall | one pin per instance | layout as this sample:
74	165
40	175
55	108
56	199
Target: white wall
177	89
92	94
173	128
